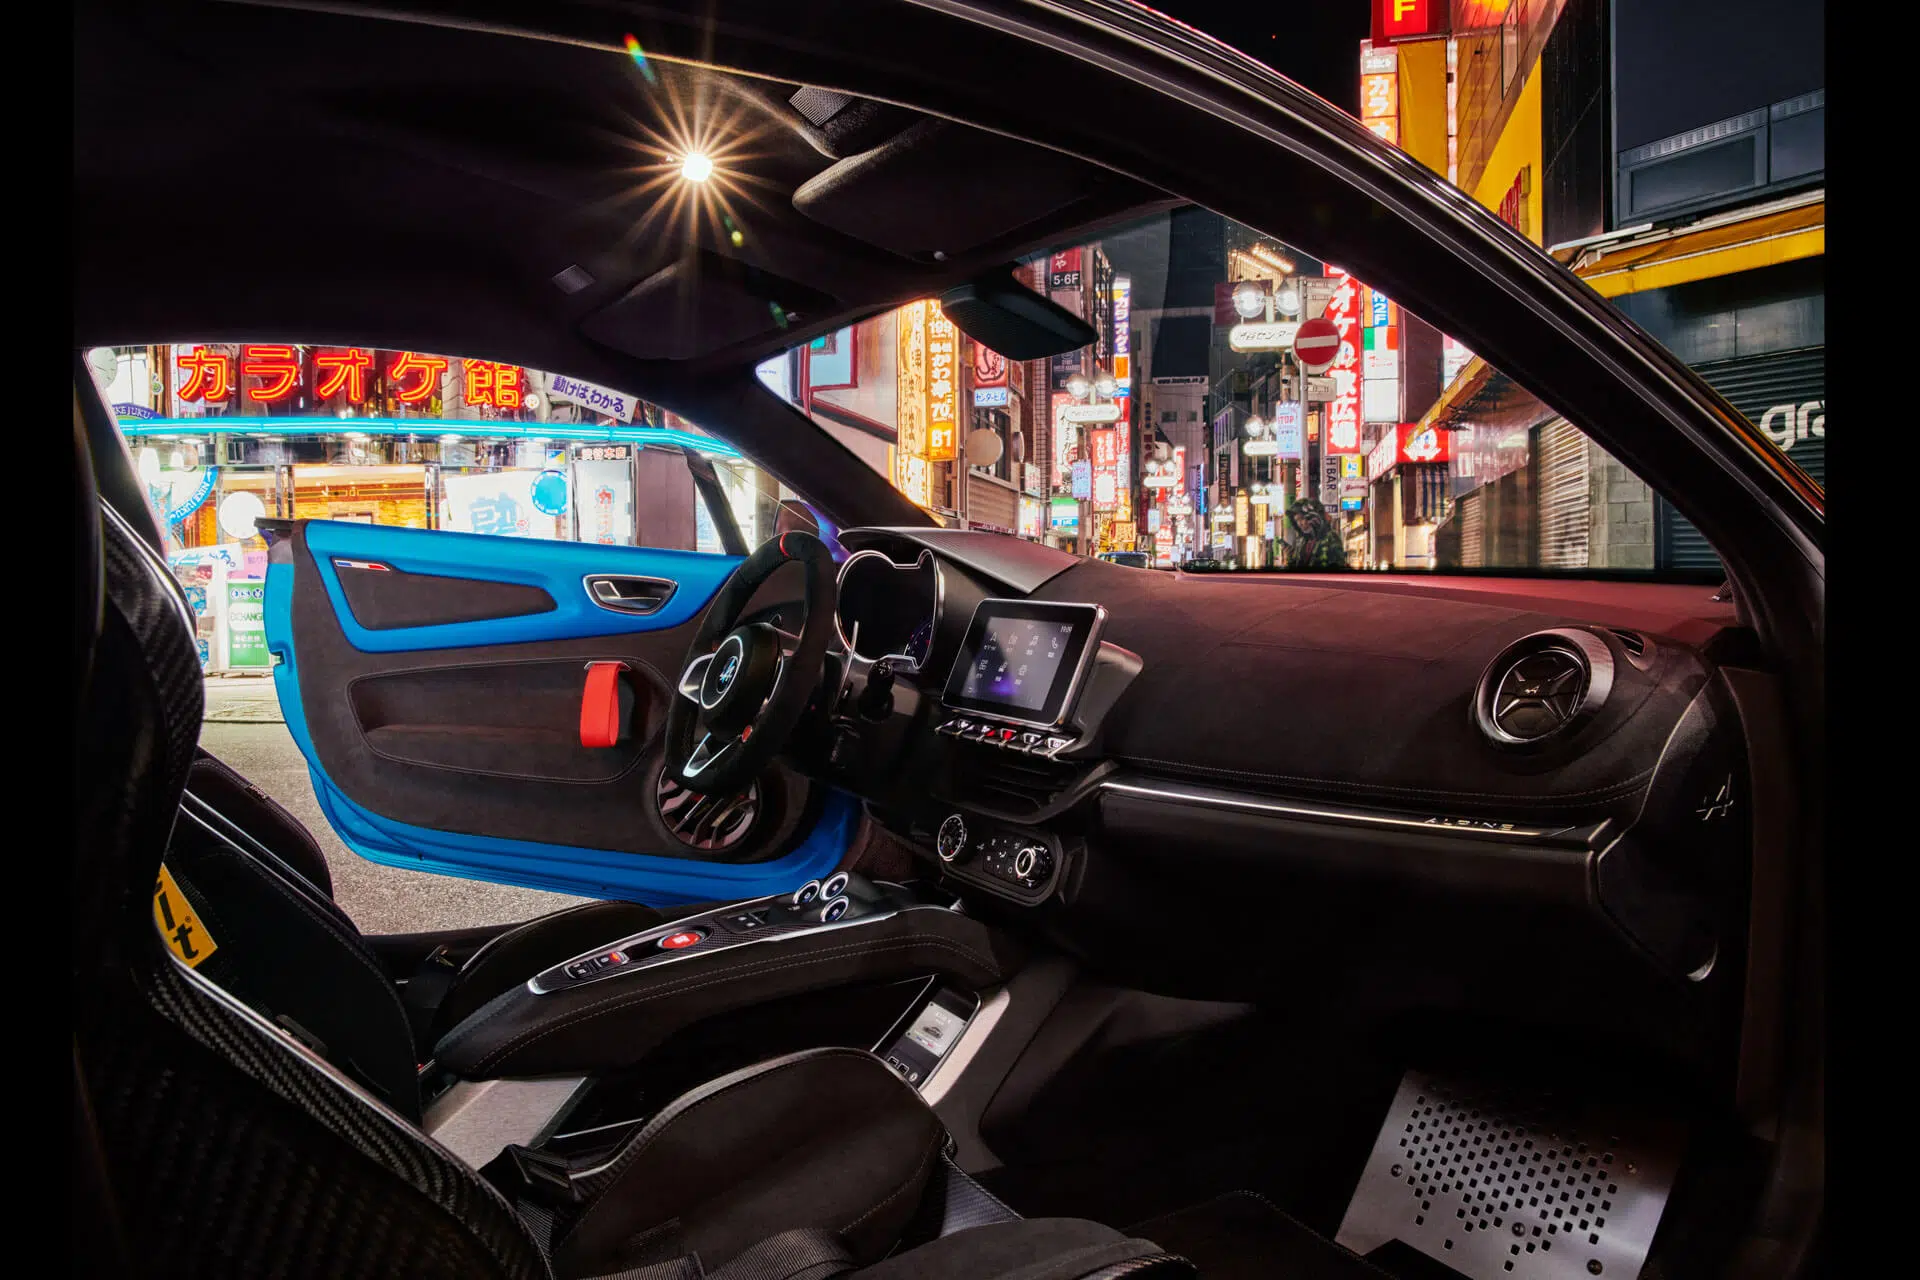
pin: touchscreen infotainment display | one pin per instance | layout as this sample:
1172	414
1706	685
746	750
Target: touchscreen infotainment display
1017	661
1021	659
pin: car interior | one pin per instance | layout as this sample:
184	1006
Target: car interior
1324	926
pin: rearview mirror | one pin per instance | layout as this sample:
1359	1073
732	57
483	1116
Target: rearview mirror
1003	315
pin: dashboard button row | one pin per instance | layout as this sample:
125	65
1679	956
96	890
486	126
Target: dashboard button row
1005	737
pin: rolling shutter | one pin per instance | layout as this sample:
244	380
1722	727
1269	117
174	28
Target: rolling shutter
1784	394
1560	458
1473	530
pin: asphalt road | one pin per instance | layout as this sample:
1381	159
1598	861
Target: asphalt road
243	727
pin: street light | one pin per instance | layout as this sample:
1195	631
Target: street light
1249	299
1105	384
1078	386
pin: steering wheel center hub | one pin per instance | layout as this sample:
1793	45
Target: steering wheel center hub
744	689
740	677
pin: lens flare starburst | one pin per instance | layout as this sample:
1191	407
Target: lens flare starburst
695	144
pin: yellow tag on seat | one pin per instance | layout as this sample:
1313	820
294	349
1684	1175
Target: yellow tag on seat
178	924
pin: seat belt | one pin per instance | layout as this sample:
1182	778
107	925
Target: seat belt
424	993
804	1253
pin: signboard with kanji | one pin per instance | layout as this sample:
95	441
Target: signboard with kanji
1343	411
943	386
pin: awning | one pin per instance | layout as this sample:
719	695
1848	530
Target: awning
1781	231
1481	396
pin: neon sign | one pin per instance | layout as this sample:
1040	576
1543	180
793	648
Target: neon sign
277	368
272	373
338	369
429	369
211	375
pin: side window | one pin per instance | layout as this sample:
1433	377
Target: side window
226	434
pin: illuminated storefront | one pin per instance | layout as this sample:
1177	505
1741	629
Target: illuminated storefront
224	435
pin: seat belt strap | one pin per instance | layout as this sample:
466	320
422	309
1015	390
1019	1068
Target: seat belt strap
424	993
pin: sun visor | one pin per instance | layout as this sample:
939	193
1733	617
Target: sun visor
700	304
942	188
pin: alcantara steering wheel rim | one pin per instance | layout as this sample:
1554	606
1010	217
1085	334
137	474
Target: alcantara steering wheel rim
743	689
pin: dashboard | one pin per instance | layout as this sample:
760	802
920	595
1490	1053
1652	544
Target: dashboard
1371	767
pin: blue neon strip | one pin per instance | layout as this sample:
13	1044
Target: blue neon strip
472	428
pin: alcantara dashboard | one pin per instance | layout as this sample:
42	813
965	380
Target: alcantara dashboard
1103	743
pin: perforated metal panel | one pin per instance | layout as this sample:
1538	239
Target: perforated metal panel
1504	1186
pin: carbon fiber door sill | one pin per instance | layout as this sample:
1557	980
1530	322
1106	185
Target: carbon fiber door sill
1505	1185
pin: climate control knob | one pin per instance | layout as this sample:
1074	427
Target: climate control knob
951	842
1030	859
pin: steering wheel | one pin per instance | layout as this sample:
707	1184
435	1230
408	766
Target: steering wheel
744	688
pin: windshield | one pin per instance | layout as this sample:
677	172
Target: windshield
1248	405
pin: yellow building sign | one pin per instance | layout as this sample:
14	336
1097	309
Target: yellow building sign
911	474
943	385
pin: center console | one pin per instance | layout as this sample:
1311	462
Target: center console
1018	723
841	901
609	1008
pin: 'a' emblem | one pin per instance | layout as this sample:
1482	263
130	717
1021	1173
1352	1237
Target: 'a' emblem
1720	804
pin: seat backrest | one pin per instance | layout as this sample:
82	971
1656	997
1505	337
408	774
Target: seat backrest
276	943
276	833
225	1146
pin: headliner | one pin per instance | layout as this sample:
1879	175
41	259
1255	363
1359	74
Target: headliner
323	177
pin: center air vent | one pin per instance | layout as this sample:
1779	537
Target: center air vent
1543	686
1539	693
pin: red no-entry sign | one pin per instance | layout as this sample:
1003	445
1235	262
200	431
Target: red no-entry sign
1317	345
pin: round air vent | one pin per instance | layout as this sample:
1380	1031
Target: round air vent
1543	686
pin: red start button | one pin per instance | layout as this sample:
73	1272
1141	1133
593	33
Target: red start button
682	940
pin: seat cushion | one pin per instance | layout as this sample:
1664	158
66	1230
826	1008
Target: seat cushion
828	1138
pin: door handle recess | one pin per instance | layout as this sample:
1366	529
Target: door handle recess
629	593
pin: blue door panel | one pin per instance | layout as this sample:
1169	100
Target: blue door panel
559	568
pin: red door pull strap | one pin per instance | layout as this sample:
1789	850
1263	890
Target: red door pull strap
600	705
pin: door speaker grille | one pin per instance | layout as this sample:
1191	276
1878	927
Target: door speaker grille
711	824
1506	1185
